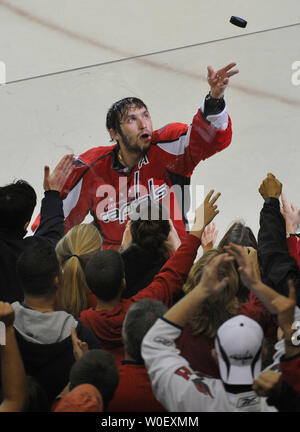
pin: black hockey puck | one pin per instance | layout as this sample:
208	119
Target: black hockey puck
240	22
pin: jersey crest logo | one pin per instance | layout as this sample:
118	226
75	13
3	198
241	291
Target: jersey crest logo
201	386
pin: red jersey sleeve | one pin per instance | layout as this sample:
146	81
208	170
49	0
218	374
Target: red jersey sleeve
169	281
293	245
182	147
290	369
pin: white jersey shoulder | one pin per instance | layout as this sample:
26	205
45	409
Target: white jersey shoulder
179	388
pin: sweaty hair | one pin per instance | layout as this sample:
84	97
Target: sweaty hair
104	273
119	109
37	268
96	367
217	308
242	235
17	202
74	251
139	319
150	229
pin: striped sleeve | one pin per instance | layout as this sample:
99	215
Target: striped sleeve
181	147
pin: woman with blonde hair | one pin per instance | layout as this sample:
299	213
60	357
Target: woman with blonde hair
73	252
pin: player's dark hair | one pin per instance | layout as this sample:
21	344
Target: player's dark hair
119	109
37	268
17	202
96	367
104	273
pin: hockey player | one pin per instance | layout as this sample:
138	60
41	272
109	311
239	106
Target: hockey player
109	182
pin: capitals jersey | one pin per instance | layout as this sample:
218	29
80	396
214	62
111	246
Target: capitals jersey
110	192
181	389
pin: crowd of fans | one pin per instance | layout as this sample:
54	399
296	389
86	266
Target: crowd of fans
96	322
148	328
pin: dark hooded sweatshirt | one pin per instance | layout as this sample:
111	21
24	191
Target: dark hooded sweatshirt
45	343
13	243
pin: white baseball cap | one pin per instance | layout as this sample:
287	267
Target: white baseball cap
239	343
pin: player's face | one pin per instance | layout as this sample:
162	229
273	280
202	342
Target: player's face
136	130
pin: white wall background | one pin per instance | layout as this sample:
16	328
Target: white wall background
44	117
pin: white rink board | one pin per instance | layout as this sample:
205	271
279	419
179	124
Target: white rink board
46	117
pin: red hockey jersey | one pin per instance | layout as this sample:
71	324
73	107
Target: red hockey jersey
100	185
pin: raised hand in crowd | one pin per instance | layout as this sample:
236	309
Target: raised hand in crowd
127	237
79	347
268	384
246	259
13	378
205	213
209	284
270	187
58	177
285	310
173	242
7	315
209	237
290	214
219	80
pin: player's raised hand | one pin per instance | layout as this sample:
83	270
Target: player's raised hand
218	81
58	177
